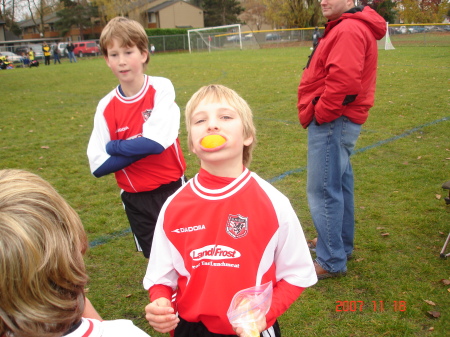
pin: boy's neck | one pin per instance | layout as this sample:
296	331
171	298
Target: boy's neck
227	171
131	89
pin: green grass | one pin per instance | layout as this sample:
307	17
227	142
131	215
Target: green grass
402	159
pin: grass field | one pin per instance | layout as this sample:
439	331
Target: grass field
402	159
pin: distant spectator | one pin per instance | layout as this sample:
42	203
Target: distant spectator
25	60
70	48
56	52
152	49
47	53
31	55
316	36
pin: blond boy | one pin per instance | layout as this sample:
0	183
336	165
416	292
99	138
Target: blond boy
225	230
43	275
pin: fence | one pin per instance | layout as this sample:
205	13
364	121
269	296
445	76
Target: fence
400	35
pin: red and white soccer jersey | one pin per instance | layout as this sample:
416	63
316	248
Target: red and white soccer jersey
211	243
117	328
151	113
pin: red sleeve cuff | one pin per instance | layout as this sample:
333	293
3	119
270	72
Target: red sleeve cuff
284	294
160	290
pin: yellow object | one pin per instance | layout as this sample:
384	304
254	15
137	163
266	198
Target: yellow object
212	141
250	328
251	331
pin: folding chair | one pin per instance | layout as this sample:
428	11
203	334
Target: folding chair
446	186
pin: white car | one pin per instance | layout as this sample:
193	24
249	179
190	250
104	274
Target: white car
62	49
14	58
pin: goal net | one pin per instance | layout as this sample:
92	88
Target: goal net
385	43
220	38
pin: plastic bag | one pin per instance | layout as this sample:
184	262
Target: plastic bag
248	306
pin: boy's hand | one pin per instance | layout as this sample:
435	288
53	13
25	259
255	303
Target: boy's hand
160	315
253	328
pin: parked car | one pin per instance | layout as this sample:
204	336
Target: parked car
37	48
11	57
402	30
233	38
273	36
86	48
62	49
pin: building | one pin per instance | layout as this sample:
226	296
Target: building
166	14
30	29
2	30
150	13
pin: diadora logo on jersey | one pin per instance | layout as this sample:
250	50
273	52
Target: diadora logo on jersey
214	252
237	226
146	114
122	129
189	229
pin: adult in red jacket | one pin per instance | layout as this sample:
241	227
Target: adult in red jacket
334	97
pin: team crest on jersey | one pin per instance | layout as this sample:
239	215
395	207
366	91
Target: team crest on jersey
146	114
237	226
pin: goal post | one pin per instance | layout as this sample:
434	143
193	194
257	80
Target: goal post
385	43
215	38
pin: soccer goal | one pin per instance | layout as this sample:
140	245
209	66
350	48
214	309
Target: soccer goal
219	38
385	43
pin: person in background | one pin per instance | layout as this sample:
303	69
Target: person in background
334	97
56	54
43	275
47	53
315	37
25	60
70	48
31	55
135	133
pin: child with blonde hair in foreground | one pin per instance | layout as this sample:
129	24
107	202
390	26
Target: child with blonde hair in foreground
225	230
42	271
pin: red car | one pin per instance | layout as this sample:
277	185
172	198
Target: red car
86	48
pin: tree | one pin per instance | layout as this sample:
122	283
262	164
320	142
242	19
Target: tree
8	14
315	14
221	12
75	14
113	8
294	13
423	11
386	8
254	14
38	10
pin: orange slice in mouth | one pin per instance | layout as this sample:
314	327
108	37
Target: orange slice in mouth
212	141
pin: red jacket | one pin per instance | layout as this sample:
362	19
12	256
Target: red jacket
339	79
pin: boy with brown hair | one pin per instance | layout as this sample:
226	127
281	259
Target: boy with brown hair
135	133
225	230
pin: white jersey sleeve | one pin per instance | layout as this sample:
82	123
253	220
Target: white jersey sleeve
100	136
164	122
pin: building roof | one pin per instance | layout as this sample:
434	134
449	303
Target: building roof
49	18
157	8
168	3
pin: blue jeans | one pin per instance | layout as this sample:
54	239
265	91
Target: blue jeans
71	56
330	190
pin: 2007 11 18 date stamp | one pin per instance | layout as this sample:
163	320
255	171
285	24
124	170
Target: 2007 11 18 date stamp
374	306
